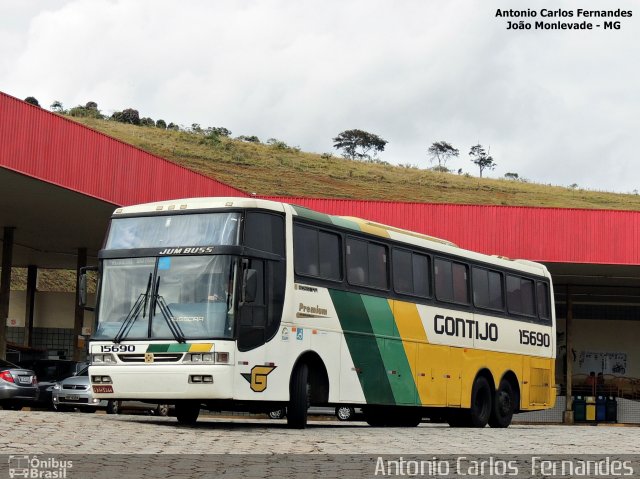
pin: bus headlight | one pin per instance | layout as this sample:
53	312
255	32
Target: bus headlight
206	358
102	359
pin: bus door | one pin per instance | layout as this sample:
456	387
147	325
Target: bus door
250	329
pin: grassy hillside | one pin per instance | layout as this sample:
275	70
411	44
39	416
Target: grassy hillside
273	170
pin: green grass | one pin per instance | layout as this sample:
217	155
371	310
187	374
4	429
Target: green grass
268	170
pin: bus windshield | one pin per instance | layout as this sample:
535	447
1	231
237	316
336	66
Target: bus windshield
151	298
174	230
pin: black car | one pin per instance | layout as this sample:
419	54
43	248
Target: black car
49	371
18	386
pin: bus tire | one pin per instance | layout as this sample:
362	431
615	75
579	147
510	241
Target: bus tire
113	406
187	412
503	405
481	401
299	394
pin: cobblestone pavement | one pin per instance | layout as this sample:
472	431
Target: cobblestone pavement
42	432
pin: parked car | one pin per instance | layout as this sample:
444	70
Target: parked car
18	386
343	413
75	392
49	371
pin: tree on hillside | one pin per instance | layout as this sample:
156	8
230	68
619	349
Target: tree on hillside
161	124
57	107
441	151
32	100
128	115
359	144
481	158
89	110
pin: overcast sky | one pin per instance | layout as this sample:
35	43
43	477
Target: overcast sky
558	107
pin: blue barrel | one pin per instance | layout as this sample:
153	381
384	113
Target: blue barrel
601	408
579	409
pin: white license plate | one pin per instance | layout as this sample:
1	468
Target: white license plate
24	379
72	398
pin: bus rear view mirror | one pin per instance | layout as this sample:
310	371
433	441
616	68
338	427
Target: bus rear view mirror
82	289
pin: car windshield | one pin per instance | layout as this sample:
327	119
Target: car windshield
145	298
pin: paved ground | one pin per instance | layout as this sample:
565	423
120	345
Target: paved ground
42	432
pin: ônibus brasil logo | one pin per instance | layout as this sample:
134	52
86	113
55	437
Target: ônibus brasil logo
34	467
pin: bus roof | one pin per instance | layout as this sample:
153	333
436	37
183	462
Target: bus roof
346	222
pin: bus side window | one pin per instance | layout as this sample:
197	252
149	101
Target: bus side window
543	300
452	281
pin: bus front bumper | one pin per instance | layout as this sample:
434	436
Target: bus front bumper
166	382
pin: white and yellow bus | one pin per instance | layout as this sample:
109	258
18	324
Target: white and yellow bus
254	305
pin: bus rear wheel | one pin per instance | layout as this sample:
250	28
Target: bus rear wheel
503	405
481	401
187	412
299	395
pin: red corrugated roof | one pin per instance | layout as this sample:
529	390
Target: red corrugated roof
43	145
539	234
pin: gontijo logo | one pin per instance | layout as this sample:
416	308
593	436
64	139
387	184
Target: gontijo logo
258	377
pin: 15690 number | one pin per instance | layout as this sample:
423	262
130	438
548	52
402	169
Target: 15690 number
534	338
118	348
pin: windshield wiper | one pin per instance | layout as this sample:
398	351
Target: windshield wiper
158	301
127	324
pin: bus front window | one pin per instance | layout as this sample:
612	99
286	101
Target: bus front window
154	295
199	294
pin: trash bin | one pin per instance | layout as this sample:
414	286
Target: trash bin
611	410
579	413
601	408
590	408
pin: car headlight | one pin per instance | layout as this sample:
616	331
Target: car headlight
56	386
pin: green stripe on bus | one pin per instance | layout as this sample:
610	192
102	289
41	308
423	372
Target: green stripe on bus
345	223
157	348
393	353
312	215
324	218
179	348
363	347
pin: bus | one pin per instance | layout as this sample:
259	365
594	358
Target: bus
251	305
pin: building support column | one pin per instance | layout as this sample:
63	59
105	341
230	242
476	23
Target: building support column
78	347
32	277
5	286
568	413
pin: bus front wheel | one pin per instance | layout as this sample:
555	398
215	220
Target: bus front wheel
187	412
299	395
503	405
